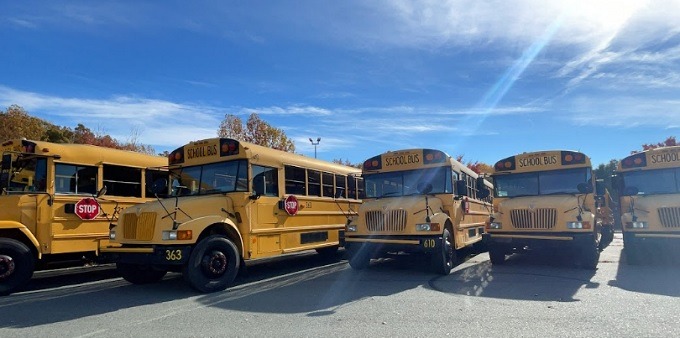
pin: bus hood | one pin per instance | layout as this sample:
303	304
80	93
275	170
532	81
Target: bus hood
413	205
184	208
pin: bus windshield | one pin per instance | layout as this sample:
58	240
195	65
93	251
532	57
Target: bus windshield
552	182
221	177
652	182
405	183
28	174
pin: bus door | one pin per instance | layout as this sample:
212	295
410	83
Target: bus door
265	204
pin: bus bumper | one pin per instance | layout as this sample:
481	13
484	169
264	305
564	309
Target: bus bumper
155	255
383	244
652	239
514	241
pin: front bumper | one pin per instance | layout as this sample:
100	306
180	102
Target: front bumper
384	244
537	240
152	255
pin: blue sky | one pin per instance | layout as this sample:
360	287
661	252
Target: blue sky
486	79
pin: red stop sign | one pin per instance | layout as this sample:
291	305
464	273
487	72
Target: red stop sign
291	205
87	208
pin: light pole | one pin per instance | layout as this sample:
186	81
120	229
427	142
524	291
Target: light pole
318	139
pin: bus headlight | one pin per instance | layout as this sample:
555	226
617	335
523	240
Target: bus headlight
578	225
637	225
112	234
495	225
427	227
174	235
574	225
351	228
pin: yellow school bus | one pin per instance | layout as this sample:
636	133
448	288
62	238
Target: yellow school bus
48	213
546	201
649	186
233	201
418	201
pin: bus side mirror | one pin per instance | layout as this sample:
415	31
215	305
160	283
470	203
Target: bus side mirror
584	188
6	161
424	188
159	186
599	188
461	188
483	193
630	191
617	182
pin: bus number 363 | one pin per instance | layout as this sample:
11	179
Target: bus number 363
173	255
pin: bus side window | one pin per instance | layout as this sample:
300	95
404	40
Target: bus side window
295	180
265	181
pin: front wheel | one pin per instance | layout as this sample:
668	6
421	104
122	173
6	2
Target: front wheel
139	274
443	260
16	265
359	258
588	255
496	256
213	264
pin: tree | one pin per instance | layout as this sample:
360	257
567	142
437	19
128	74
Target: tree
16	123
256	131
347	163
476	166
605	172
668	142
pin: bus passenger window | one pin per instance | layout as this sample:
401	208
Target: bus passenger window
265	181
328	181
71	179
295	180
313	183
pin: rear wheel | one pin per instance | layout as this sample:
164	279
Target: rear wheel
16	265
213	264
139	274
443	260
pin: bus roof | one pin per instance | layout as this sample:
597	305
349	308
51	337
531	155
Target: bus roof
266	154
409	159
657	158
542	160
84	153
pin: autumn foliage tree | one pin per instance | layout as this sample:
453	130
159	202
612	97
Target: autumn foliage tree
668	142
16	123
476	166
255	131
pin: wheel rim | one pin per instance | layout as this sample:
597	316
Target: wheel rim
214	263
7	266
448	251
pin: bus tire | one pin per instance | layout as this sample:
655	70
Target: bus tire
442	262
633	254
588	256
213	264
607	236
359	258
496	256
140	274
16	265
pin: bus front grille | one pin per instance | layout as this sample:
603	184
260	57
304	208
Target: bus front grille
670	217
386	221
139	227
542	218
